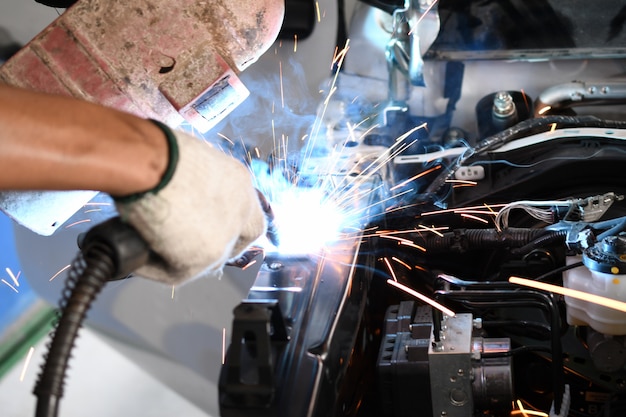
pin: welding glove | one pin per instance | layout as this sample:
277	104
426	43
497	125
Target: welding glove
204	212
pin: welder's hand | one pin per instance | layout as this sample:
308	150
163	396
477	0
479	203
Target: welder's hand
204	213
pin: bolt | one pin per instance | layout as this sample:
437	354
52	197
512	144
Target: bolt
275	266
503	105
576	96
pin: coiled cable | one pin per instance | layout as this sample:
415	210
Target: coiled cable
110	250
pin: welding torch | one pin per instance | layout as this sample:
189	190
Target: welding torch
272	230
271	234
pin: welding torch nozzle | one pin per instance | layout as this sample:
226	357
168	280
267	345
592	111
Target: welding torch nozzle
272	230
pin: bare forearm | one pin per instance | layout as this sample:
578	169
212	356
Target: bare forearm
57	143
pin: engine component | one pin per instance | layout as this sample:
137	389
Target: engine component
561	98
604	275
460	378
402	364
608	353
455	372
500	110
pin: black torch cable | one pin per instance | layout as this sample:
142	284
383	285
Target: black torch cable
90	271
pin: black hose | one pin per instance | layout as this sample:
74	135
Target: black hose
549	238
522	129
90	270
461	240
109	250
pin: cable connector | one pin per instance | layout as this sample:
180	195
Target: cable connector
593	208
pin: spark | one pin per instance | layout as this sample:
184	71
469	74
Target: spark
59	273
552	127
295	42
422	297
317	125
28	358
280	75
317	8
568	292
459	210
527	413
330	94
434	230
273	134
226	138
401	262
173	290
379	202
223	345
9	285
339	55
13	277
470	216
393	274
425	13
482	212
77	223
398	147
525	99
399	239
490	209
414	245
252	262
461	183
258	153
91	210
544	110
421	174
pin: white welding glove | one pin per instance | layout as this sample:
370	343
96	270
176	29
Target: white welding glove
204	213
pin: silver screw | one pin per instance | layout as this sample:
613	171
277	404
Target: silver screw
503	105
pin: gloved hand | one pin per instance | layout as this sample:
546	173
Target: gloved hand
204	213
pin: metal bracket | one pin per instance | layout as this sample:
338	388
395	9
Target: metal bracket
247	378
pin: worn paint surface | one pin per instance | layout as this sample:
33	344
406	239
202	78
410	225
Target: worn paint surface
153	58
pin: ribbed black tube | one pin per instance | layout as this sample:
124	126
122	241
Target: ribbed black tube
552	237
90	271
461	240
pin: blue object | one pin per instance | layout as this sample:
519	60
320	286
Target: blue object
14	299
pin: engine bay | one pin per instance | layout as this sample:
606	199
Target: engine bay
466	173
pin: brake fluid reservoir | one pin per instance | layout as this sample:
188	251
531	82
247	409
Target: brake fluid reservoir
604	275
